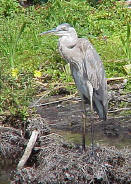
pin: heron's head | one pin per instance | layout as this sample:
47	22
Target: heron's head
61	30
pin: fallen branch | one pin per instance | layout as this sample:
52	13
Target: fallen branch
119	117
73	83
71	97
118	110
56	101
28	149
116	79
34	105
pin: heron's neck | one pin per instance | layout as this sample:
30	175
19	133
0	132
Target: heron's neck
68	41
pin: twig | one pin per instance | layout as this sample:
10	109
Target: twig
28	149
72	83
118	110
119	117
57	101
117	79
40	99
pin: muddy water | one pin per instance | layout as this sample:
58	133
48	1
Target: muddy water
65	118
6	167
119	142
4	178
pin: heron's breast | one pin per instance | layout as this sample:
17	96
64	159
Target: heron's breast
81	84
70	54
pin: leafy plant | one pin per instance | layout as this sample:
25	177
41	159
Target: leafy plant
8	7
14	45
126	43
67	72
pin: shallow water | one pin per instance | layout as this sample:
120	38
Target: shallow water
119	142
4	178
66	119
6	167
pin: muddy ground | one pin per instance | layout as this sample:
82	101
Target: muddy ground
55	159
68	115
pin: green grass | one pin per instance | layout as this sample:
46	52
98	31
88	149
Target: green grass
104	25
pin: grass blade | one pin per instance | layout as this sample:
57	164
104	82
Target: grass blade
15	44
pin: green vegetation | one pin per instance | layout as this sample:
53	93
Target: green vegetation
126	44
25	57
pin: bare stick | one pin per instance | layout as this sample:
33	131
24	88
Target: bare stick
40	99
60	100
122	109
28	149
116	79
72	83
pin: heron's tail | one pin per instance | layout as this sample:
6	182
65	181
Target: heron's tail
100	109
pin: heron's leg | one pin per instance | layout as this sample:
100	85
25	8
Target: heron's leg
92	126
84	124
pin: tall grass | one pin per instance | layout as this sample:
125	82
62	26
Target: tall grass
33	56
14	45
126	44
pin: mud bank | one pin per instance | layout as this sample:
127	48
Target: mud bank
54	160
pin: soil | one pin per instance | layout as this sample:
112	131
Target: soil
55	159
68	115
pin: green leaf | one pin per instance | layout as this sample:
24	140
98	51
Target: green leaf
128	32
20	33
122	40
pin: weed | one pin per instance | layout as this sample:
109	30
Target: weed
14	44
126	44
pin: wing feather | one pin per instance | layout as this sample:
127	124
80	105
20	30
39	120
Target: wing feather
92	71
92	64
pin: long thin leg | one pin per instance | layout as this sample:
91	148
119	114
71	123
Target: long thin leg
92	126
84	125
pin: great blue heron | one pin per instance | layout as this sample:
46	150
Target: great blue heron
87	70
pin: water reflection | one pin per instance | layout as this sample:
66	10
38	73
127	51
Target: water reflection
119	142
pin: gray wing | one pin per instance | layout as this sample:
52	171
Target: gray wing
91	70
92	66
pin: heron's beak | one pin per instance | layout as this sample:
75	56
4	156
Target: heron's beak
53	31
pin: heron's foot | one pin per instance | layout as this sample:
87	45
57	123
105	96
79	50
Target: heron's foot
83	148
92	149
93	153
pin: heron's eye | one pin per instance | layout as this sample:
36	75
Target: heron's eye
64	28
